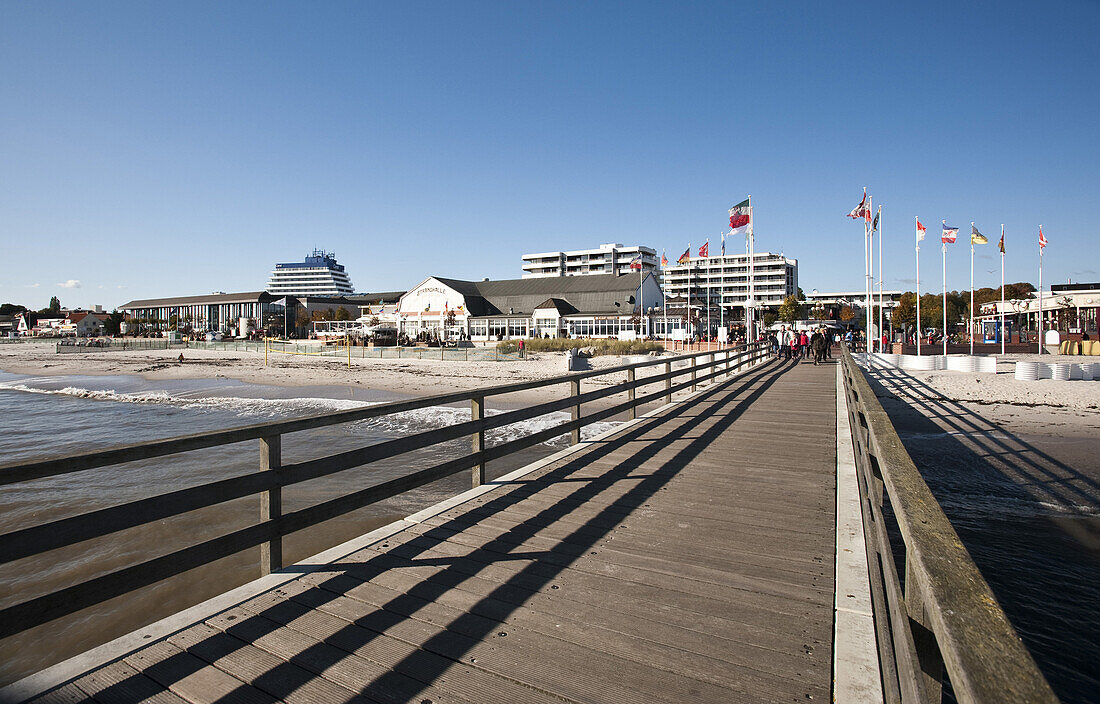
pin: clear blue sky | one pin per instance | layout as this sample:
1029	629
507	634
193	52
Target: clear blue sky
159	149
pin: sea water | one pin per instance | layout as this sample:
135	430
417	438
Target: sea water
61	415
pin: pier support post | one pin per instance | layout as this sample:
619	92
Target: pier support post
575	411
477	440
271	503
630	394
924	640
668	382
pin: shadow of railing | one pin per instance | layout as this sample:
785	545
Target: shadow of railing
1030	521
414	676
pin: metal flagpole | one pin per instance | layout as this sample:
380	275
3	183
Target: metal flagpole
971	326
944	248
1040	291
916	233
722	288
708	293
868	246
1002	288
750	315
880	328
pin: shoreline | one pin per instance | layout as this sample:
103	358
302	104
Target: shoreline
404	377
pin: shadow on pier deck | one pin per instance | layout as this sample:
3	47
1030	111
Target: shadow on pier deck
688	557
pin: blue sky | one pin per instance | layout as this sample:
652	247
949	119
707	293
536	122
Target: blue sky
157	149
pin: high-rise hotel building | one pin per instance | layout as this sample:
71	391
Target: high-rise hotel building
606	259
318	275
724	281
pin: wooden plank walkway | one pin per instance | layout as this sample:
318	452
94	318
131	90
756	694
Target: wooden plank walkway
686	558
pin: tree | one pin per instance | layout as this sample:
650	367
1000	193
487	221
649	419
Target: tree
800	295
54	309
113	324
343	314
847	315
905	313
769	318
12	309
818	312
789	309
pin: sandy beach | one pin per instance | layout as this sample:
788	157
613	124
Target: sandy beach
409	377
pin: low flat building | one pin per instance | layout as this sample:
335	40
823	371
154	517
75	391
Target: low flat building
605	259
232	313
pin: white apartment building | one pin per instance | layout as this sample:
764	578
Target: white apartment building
606	259
724	282
317	275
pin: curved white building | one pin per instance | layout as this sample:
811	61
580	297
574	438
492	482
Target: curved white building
318	275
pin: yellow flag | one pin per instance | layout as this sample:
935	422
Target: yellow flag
977	237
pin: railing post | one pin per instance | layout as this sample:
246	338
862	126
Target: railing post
924	640
575	411
630	393
668	382
271	503
477	440
694	360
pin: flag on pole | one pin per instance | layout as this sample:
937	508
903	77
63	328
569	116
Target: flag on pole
704	251
862	210
723	245
949	234
664	259
1042	239
636	262
874	225
740	218
685	257
921	229
282	301
1001	244
977	237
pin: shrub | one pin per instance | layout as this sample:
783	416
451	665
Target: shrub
601	345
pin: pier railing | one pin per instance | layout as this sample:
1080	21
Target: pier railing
272	475
940	614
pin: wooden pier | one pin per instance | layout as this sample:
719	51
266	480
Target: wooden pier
689	556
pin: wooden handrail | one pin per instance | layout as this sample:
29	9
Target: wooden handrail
274	475
946	617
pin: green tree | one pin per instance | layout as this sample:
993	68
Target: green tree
800	295
12	309
54	309
113	324
769	317
905	313
789	309
343	314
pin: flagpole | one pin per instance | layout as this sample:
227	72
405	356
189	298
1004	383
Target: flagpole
944	248
722	290
750	316
708	295
971	331
1002	289
867	278
880	333
916	233
871	284
1040	293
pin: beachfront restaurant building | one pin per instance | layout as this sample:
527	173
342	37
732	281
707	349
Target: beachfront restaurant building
607	305
236	313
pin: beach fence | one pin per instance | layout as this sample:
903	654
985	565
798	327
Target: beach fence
111	345
272	474
343	350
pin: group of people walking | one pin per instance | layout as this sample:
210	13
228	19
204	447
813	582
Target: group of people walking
792	344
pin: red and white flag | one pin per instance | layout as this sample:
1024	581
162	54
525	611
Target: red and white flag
863	210
921	230
741	218
949	234
636	263
1042	239
704	251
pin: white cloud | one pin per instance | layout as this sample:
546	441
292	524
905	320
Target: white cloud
120	286
32	285
71	283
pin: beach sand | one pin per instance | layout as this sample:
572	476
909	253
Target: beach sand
408	377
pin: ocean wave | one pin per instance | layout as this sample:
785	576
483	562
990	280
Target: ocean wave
397	424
